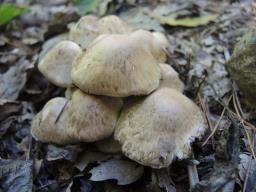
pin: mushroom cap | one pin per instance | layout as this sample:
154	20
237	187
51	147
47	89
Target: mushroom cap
112	24
155	42
92	118
89	27
162	42
116	65
49	125
84	31
156	129
109	145
69	92
170	78
56	64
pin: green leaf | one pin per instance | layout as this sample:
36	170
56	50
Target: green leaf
188	22
9	11
87	6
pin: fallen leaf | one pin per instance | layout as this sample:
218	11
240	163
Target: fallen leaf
87	6
9	11
12	81
90	157
125	172
246	166
16	175
68	153
188	22
8	108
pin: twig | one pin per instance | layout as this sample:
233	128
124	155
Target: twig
192	174
217	124
206	115
247	175
224	172
240	115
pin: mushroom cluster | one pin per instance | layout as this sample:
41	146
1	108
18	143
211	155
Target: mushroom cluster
117	84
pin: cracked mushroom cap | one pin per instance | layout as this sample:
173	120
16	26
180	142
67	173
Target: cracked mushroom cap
50	124
170	78
118	66
56	64
156	42
156	129
89	27
92	118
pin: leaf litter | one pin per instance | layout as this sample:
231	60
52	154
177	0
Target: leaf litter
200	43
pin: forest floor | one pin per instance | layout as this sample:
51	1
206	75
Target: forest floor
198	53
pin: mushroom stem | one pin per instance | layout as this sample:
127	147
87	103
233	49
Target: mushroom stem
192	173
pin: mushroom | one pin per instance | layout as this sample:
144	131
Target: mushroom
69	92
108	145
84	118
112	24
84	31
170	78
89	27
116	65
50	125
92	118
56	64
156	129
155	42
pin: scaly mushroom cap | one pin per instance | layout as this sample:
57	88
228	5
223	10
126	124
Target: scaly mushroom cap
50	124
92	118
56	64
170	78
155	42
89	27
116	65
156	129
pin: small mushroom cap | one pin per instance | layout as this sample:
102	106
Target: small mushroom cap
49	125
162	42
89	27
155	42
84	31
156	129
117	66
170	78
112	24
92	118
56	64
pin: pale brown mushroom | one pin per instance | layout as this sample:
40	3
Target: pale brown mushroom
116	65
170	78
84	31
92	118
89	27
50	124
112	24
56	64
109	145
156	129
155	42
